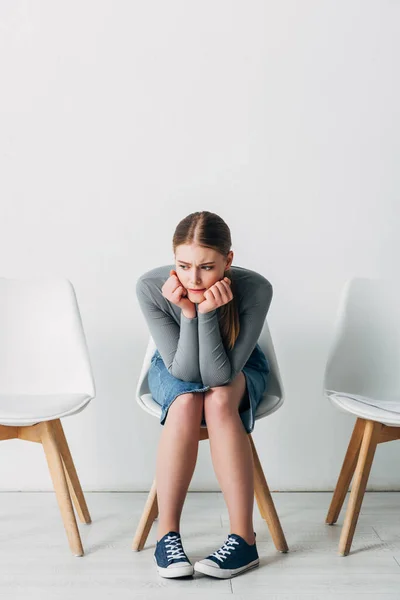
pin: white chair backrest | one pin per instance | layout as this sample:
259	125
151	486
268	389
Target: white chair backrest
143	384
274	381
274	387
42	344
365	355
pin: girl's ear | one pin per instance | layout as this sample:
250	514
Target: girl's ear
229	260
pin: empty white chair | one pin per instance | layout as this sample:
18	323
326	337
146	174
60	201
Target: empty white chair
362	377
272	400
45	375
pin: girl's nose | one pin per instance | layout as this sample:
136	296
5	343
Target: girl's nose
195	278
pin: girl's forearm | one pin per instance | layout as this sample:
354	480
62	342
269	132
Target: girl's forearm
215	367
189	313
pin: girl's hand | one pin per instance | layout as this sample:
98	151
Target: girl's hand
174	291
217	295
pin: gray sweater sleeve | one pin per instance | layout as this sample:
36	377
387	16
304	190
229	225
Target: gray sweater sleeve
177	344
217	366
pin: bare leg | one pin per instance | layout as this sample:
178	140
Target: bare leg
176	458
231	454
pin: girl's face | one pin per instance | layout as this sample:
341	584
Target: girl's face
198	268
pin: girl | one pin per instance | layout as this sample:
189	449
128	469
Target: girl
205	317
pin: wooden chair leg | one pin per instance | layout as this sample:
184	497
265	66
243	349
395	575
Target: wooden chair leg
367	451
266	504
8	433
148	517
346	473
57	473
72	476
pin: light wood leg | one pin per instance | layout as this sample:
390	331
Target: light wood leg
367	451
8	433
266	504
148	517
203	434
72	476
346	473
57	473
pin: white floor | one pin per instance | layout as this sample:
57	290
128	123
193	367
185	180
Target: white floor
35	561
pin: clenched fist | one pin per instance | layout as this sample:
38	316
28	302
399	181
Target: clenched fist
174	291
217	295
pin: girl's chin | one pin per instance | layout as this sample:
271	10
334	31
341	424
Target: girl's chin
196	298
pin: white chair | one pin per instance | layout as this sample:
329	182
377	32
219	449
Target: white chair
272	400
45	375
362	377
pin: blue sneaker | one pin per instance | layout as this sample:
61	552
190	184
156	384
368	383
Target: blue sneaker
234	557
170	557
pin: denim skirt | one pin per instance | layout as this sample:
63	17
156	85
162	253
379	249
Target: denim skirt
164	387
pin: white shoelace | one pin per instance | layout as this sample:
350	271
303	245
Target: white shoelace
226	549
174	548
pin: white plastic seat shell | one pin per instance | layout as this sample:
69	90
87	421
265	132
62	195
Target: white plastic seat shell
273	397
362	375
45	372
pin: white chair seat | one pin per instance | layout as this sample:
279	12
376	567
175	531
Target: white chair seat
272	399
267	406
386	411
365	352
22	410
45	372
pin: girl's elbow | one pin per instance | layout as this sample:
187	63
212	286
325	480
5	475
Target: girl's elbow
186	376
218	381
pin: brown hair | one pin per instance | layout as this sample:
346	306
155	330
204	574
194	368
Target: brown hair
209	230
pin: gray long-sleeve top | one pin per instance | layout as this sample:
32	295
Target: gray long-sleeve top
193	349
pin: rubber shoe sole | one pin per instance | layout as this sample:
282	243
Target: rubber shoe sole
200	567
172	572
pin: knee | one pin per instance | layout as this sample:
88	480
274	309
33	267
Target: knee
186	407
218	404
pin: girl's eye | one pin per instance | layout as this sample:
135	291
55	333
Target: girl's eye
206	267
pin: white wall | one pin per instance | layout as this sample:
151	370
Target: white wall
120	118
